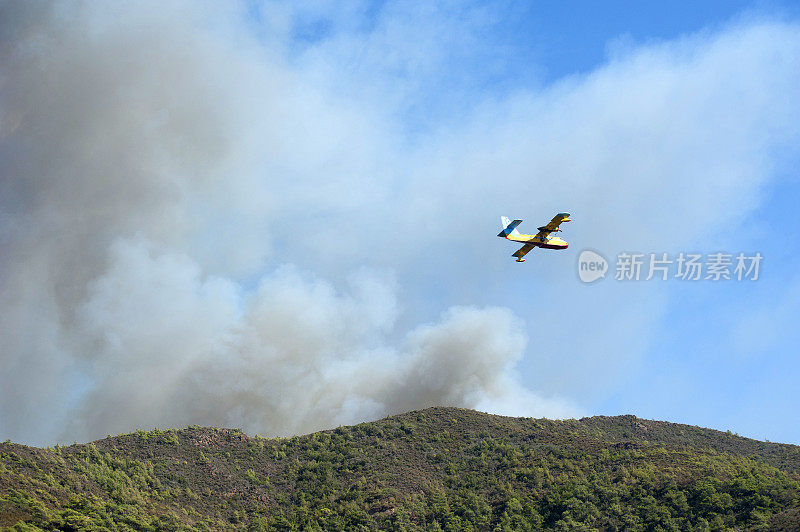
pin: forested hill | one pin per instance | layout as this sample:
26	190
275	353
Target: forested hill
437	469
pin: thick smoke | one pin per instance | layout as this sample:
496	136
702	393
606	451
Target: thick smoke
292	356
149	157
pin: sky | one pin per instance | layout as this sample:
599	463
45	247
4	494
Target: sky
281	216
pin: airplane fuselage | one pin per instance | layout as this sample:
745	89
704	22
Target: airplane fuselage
548	243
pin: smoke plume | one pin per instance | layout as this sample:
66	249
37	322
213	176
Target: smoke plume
149	158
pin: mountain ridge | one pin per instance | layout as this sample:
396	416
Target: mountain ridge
454	468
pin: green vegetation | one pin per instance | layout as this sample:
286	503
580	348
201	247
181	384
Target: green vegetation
439	469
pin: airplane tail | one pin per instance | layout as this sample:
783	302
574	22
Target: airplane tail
509	227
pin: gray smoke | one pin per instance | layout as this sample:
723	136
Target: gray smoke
150	160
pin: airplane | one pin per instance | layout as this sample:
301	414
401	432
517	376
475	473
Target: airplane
542	239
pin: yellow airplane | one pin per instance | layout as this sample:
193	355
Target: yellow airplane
542	239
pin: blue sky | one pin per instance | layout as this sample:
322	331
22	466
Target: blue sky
695	372
512	45
725	355
281	216
691	370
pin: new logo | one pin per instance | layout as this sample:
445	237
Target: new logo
591	266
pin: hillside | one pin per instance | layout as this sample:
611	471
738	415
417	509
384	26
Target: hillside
436	469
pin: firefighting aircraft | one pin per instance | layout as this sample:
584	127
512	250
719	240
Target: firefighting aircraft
542	239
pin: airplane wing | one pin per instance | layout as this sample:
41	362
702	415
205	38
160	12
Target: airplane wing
552	227
521	252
